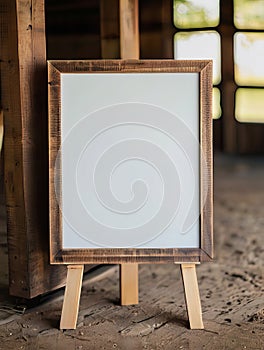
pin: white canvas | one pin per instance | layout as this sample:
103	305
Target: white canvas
130	160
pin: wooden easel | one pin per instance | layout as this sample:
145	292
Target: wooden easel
129	45
74	283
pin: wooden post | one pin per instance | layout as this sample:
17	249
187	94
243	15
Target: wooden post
1	130
129	31
23	90
168	29
72	295
192	296
129	47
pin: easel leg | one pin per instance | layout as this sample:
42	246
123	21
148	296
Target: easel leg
72	295
129	44
128	284
192	296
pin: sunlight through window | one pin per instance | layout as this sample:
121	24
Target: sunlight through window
196	13
249	105
248	57
249	14
217	111
200	45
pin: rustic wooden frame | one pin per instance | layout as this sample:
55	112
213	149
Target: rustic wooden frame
58	255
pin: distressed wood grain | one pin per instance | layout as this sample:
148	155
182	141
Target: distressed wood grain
23	94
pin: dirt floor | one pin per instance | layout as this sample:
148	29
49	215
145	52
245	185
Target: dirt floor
231	288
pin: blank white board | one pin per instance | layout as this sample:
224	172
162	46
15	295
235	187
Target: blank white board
127	180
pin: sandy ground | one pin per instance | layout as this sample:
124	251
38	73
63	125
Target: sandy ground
231	288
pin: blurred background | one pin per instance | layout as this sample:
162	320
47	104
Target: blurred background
229	32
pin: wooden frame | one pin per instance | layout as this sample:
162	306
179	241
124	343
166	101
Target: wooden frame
58	255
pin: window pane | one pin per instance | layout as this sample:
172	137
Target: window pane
199	45
249	14
196	13
250	105
217	111
248	56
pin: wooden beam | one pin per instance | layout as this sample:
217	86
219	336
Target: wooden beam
227	86
23	87
168	29
1	129
129	31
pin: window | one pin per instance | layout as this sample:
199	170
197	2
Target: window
199	44
248	60
249	14
249	105
196	14
248	57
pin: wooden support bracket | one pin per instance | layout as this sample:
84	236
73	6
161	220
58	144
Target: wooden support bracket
129	284
129	46
192	296
72	295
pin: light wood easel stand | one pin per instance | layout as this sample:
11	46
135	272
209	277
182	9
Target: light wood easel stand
129	46
74	283
72	295
192	296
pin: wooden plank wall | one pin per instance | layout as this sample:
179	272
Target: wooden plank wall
90	29
73	28
23	77
109	28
